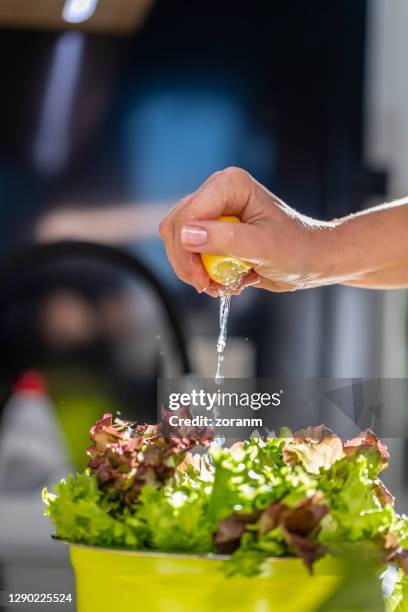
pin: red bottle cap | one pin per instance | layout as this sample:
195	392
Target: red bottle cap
31	381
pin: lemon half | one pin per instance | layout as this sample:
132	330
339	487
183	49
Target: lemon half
223	269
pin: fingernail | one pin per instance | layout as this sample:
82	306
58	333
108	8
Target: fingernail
192	235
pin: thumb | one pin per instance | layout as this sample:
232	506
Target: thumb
240	240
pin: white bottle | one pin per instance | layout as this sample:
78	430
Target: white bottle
33	451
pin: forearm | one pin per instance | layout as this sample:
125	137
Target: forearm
288	250
371	247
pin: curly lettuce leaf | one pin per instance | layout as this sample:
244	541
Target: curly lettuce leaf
368	444
176	519
314	448
276	530
77	508
251	475
356	512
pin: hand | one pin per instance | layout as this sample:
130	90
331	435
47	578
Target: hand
288	250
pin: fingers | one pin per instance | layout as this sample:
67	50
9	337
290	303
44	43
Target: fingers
240	240
187	266
190	228
216	290
225	192
272	237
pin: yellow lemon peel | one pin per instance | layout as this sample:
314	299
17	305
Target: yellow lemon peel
223	269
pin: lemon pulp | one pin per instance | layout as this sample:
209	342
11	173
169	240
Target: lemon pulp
223	269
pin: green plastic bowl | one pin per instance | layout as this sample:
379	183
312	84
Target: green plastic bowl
110	580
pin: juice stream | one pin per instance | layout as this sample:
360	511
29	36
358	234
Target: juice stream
225	303
228	272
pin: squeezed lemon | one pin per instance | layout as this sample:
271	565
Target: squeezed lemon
223	269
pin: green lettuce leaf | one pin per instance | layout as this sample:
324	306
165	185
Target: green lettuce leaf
176	518
80	513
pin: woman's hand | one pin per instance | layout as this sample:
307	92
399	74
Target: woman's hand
288	250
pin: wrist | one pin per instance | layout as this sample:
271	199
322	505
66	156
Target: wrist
347	253
328	250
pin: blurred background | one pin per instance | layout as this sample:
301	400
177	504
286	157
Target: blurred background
112	110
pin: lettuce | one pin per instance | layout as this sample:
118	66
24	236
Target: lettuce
80	514
303	495
176	520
